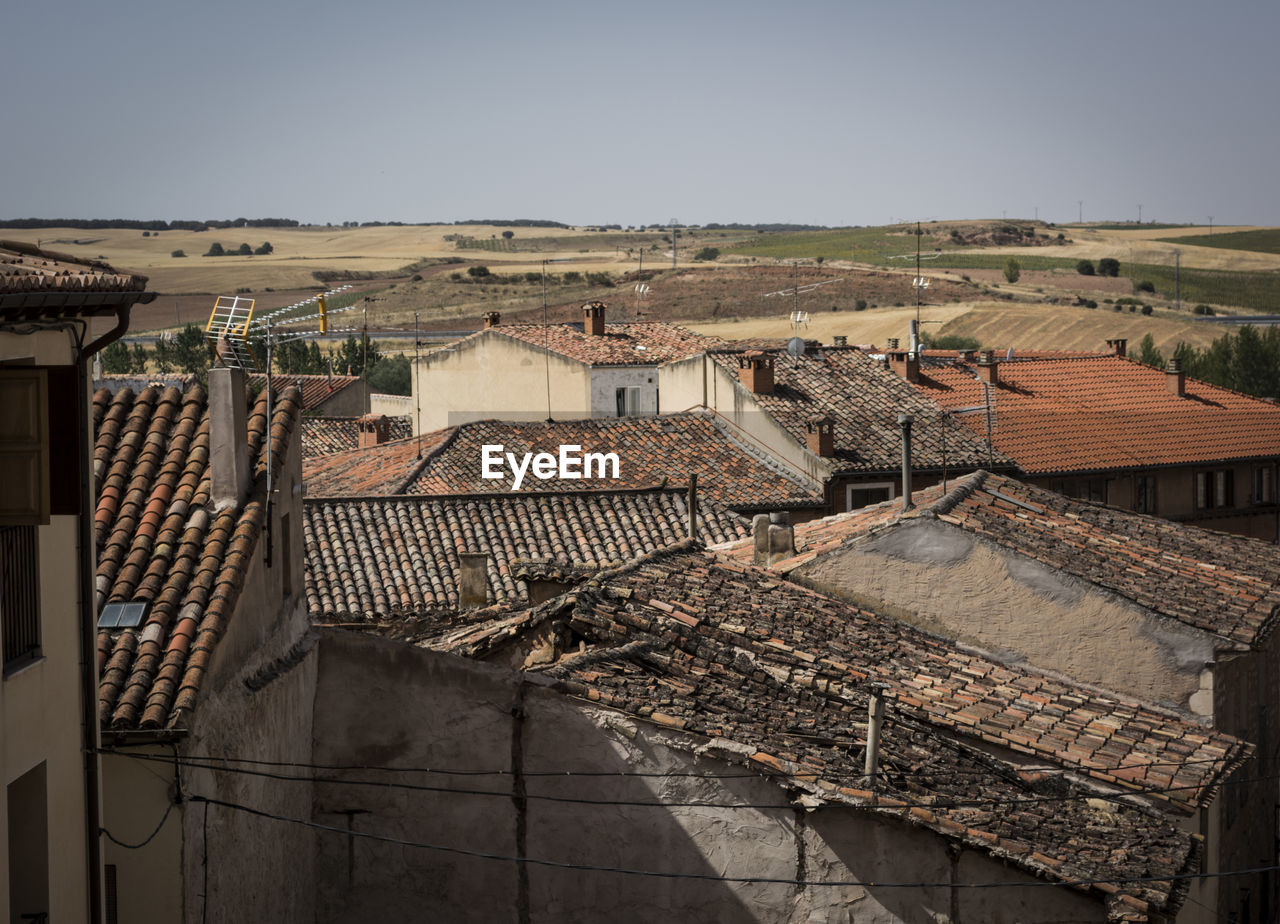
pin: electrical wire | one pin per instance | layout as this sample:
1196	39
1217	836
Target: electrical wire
150	837
771	880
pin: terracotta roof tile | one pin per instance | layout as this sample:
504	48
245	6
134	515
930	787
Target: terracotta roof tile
652	452
624	344
864	399
159	543
315	389
782	674
374	559
322	436
1105	412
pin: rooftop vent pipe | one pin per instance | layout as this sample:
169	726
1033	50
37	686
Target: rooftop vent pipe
905	421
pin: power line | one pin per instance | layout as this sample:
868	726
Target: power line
150	837
773	880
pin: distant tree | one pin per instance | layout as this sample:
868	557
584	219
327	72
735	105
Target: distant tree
357	355
1108	266
1012	270
190	353
1202	309
1145	286
1147	353
244	250
177	253
1085	268
508	235
215	250
707	253
860	305
477	272
116	358
573	277
955	342
264	249
391	376
138	361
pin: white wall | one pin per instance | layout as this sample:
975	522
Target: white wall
606	380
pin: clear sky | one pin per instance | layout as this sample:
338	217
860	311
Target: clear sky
811	111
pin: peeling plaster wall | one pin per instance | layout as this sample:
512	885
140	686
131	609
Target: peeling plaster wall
940	578
606	380
383	703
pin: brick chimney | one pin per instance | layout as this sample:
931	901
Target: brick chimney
1175	379
840	340
491	319
593	319
905	364
228	437
987	368
1119	345
755	370
473	579
819	436
374	429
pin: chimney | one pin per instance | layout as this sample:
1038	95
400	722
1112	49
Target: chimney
228	437
967	355
774	537
987	369
491	319
891	343
905	421
819	436
593	319
374	430
473	579
1119	345
1175	379
906	365
755	370
840	340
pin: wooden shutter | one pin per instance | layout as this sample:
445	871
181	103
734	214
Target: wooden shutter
24	446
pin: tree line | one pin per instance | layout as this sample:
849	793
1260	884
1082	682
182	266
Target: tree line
1247	361
99	224
189	353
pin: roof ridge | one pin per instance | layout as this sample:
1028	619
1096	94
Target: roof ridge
403	486
961	491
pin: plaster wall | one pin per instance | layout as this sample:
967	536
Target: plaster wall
136	795
494	376
943	580
351	401
384	703
40	701
606	380
391	405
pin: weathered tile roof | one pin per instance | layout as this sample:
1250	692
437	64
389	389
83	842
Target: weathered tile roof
864	399
324	435
378	558
778	676
315	389
652	452
1219	582
41	283
1105	412
159	542
631	343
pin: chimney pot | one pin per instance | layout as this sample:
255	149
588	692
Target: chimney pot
491	319
988	370
374	429
1175	379
819	437
473	579
906	365
593	319
1119	345
228	437
755	370
967	355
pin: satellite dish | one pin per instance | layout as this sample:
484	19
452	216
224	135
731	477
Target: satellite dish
795	346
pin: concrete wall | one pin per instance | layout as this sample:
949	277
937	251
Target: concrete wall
391	405
40	701
494	376
944	580
351	401
384	703
606	380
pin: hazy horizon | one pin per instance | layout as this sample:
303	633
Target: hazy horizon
820	113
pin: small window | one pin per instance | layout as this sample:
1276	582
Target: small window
864	495
628	397
1214	490
1144	494
286	556
122	615
1264	484
19	595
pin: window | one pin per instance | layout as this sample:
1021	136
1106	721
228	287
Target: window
864	495
1091	489
24	446
1264	484
1144	493
1214	489
19	595
629	401
286	556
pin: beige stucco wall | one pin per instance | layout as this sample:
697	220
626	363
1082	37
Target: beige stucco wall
942	579
492	376
383	703
40	702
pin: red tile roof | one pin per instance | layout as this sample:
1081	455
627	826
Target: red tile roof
652	452
864	399
160	543
41	283
777	676
1222	583
374	559
324	435
1105	412
633	343
315	389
